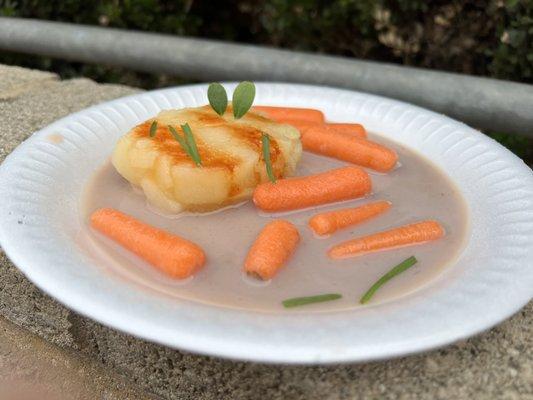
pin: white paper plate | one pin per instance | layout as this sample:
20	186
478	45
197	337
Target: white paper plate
41	184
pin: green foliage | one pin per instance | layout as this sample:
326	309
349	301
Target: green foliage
513	56
340	27
520	145
482	37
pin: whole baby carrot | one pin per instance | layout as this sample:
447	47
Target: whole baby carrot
347	128
299	124
171	254
271	249
406	235
329	222
335	185
356	130
279	113
348	148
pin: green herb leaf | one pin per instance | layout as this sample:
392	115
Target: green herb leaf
218	98
406	264
153	128
181	140
195	155
243	98
265	142
302	301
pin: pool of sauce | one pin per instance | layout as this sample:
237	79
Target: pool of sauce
417	189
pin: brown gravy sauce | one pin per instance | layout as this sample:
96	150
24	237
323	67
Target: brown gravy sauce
418	190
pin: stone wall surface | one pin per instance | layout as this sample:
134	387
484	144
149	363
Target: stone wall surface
496	364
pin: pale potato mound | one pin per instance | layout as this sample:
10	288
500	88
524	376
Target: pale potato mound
230	151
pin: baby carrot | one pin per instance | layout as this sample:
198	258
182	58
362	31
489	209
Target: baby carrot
293	193
271	249
171	254
356	130
279	113
299	124
329	222
347	128
348	148
406	235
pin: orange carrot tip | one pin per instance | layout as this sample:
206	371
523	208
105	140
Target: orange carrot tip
407	235
295	193
350	148
329	222
271	250
171	254
294	113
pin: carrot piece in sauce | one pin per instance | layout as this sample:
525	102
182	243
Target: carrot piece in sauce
293	193
280	113
299	124
406	235
356	130
272	248
171	254
330	222
352	149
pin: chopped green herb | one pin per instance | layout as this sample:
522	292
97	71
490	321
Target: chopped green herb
189	137
302	301
243	98
218	98
406	264
181	140
153	128
265	142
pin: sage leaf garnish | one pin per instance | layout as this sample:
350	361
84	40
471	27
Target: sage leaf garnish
218	98
243	98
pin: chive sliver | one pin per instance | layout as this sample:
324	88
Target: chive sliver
404	265
265	142
181	140
153	128
302	301
189	137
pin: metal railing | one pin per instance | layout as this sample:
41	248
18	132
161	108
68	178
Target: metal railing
484	103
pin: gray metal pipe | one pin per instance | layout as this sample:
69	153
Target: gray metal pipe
481	102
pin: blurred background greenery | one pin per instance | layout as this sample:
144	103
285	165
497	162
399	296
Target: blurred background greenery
491	38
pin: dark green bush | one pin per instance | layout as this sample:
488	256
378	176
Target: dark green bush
493	38
482	37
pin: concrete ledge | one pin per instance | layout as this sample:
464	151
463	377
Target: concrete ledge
496	364
15	80
31	365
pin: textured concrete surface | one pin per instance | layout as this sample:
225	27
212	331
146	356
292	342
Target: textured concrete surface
495	365
18	80
31	366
